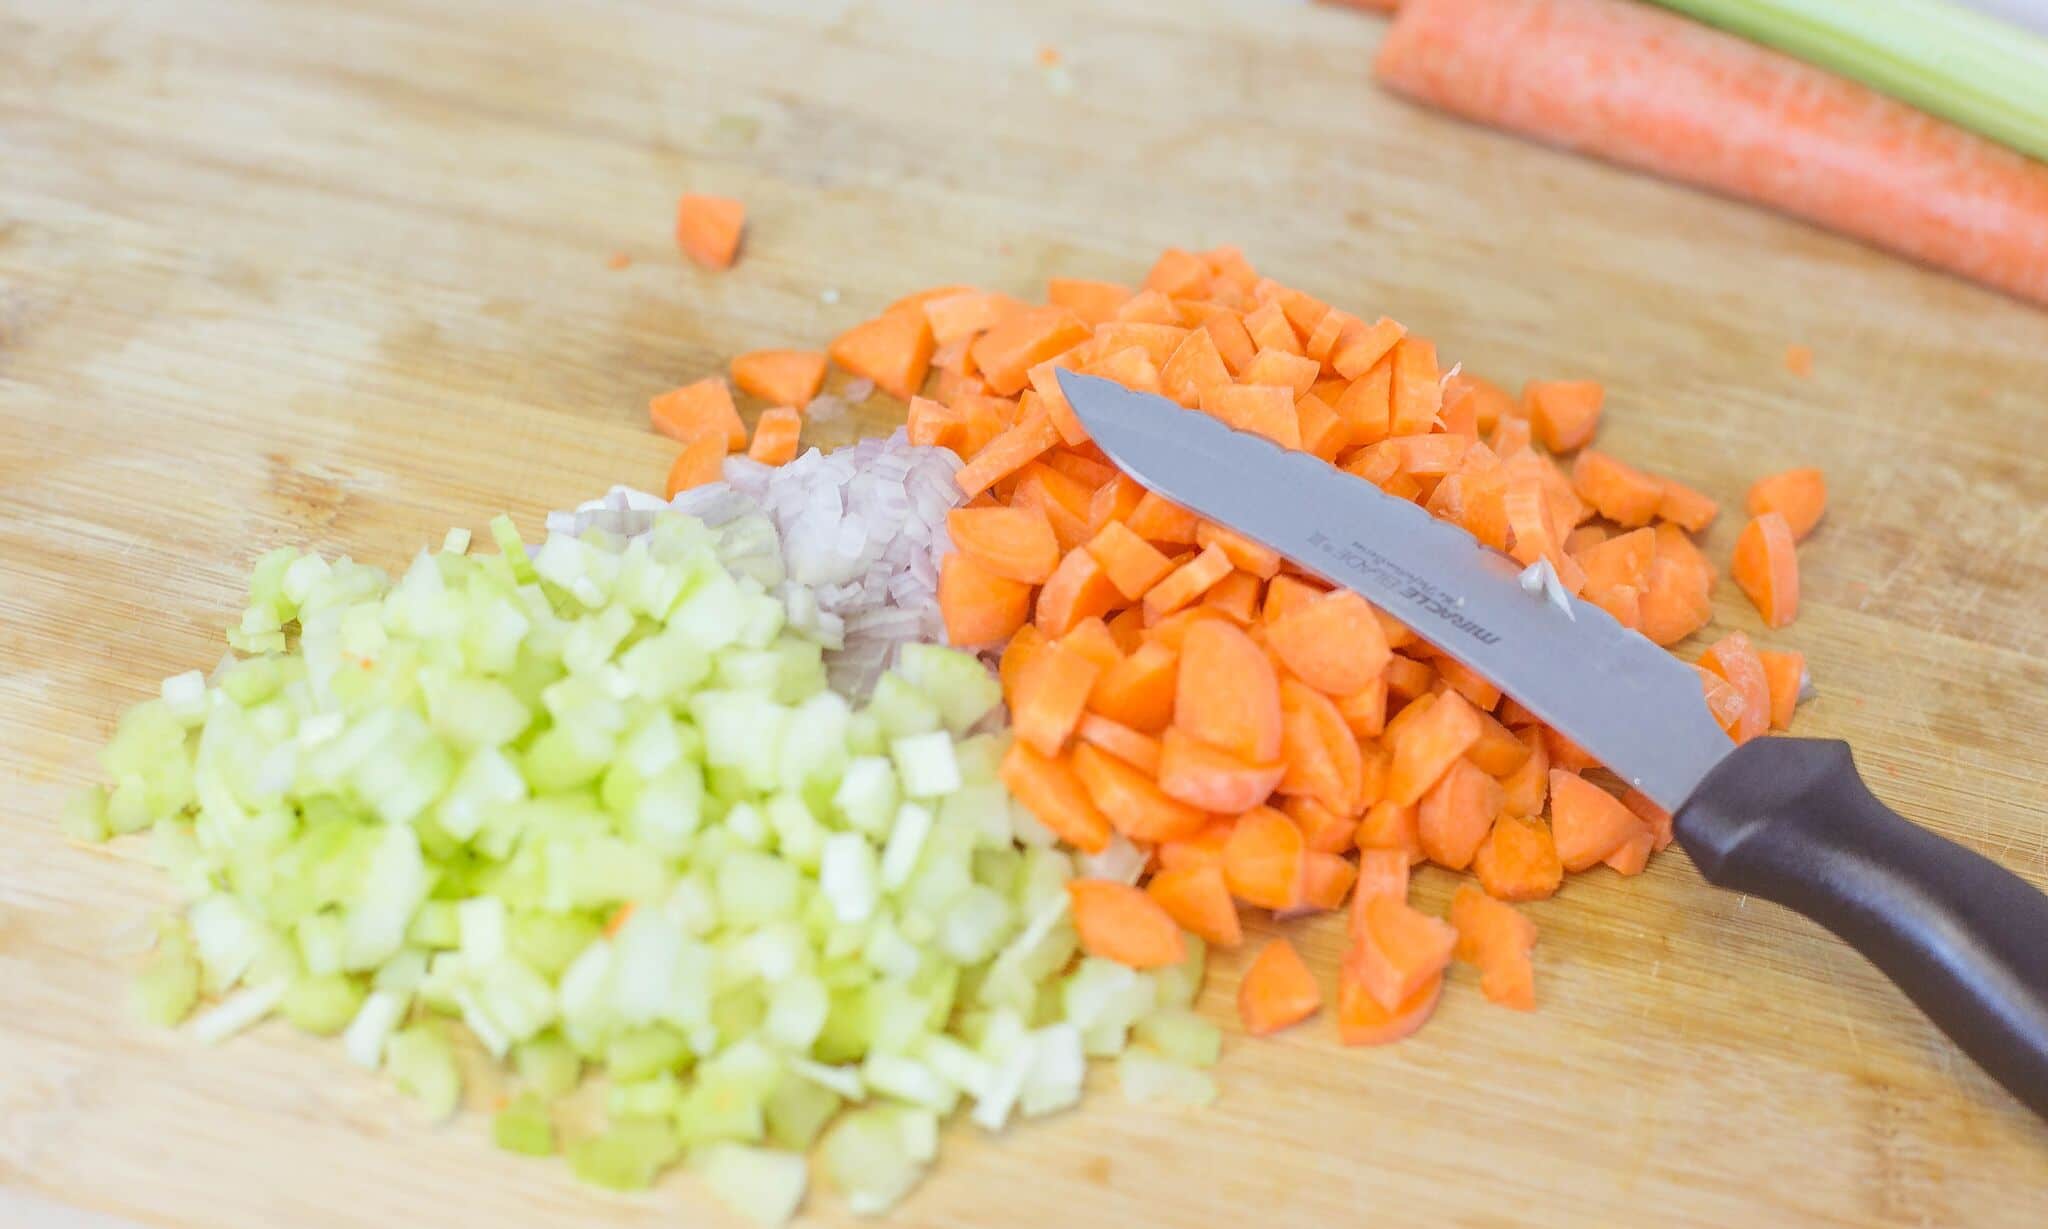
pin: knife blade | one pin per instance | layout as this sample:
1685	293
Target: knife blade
1787	819
1635	707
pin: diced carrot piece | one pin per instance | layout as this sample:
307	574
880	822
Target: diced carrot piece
1157	519
1134	805
958	317
1027	644
1091	638
915	301
1566	754
1116	921
701	461
708	228
1139	690
1332	642
979	607
1140	751
1065	502
1767	569
1263	859
1286	593
1261	409
780	377
1044	380
1187	582
776	435
1427	748
702	408
1322	829
1321	754
1325	880
1365	710
1236	596
1564	413
1014	543
983	419
894	350
1228	694
1418	389
1006	454
1198	899
1467	682
1157	342
1366	406
1129	367
1132	564
1798	495
1359	350
1077	589
1179	273
1361	1021
1052	791
1497	752
1233	342
1585	537
1149	306
1050	699
1127	629
1092	302
1674	603
1512	436
1498	939
1083	469
1007	352
1457	813
1277	990
1228	264
1290	371
934	425
1724	701
1304	311
1518	860
1389	825
1646	809
1632	855
1269	330
1685	507
1398	949
1114	500
1587	822
1734	658
1410	713
1533	532
1204	848
1203	776
1488	403
1194	370
1321	342
1621	492
1430	456
1786	675
1323	433
1244	554
1524	791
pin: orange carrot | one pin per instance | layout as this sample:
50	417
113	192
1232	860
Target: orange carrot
1564	413
1194	370
1132	564
1277	367
1064	502
894	350
702	460
1007	352
1658	819
1322	829
708	228
776	435
1425	749
1186	583
1457	814
1006	454
1358	352
1204	848
1635	85
979	607
702	408
1325	880
1685	507
1243	553
1077	589
1050	698
1518	860
1785	674
1236	596
1799	360
1767	569
1258	408
1092	639
1263	858
1621	492
1389	825
933	424
1116	921
1014	543
1228	694
1139	690
1160	520
1361	1021
1798	495
1277	990
1051	790
958	317
1734	658
1332	642
1586	822
1398	949
1027	645
1198	900
1179	273
1526	788
1140	751
1467	682
1495	937
1134	805
1418	391
1321	754
1091	302
1202	776
780	377
1496	752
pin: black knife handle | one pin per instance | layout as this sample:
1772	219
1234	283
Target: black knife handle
1789	819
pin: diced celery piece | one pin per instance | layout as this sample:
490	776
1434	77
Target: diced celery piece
765	1185
1180	1035
867	797
548	942
323	1005
867	1156
524	1127
646	1052
721	1110
754	889
628	1156
925	764
168	986
547	1066
1181	984
798	1111
435	926
656	1096
423	1064
84	817
1148	1078
901	709
957	682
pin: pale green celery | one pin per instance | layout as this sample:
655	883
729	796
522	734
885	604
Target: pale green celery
524	1127
1984	74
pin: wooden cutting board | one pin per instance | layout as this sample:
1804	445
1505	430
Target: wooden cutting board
337	275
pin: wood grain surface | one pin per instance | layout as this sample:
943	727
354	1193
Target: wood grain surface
335	274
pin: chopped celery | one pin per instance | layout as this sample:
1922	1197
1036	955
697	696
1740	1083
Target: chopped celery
628	1156
547	1066
868	1158
765	1185
323	1005
524	1127
84	817
1180	1035
423	1066
1147	1077
168	986
798	1112
1181	984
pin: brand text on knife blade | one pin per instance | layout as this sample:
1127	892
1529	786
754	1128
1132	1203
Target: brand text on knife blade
1362	560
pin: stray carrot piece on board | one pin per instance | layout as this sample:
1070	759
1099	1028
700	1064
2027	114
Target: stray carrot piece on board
702	408
1798	495
1398	948
1564	413
1116	921
701	461
1685	507
1786	674
1361	1021
708	228
1518	860
776	436
1498	939
1734	658
1277	990
1767	569
780	377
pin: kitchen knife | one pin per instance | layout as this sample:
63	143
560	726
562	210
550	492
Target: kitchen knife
1787	819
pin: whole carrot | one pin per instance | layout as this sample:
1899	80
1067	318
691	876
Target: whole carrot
1647	89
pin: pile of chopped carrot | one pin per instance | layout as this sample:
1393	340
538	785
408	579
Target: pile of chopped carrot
1272	742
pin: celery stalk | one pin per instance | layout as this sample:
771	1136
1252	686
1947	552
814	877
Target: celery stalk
1978	72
